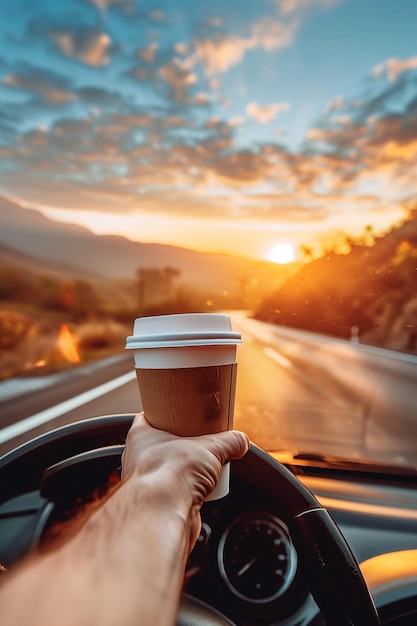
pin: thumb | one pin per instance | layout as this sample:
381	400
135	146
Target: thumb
228	445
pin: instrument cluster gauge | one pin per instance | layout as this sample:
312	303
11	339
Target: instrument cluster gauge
256	558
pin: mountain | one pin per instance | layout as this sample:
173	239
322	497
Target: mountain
77	249
13	258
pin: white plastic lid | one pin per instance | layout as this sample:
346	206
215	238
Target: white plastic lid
183	330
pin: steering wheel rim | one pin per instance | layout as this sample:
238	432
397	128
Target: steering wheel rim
331	570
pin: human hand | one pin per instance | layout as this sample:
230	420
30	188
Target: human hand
183	470
143	530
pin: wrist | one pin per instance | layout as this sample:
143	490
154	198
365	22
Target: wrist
164	487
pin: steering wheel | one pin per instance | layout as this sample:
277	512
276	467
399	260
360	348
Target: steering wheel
70	458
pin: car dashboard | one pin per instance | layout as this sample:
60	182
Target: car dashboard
244	563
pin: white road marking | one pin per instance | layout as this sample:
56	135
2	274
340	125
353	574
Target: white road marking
277	357
14	430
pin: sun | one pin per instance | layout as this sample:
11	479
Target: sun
282	253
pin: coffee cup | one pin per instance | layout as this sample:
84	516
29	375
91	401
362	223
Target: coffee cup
186	370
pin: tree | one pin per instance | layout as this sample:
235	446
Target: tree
155	285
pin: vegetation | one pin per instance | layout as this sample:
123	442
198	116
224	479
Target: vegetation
368	291
35	308
364	289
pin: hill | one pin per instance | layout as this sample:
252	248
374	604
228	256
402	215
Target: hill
70	246
369	292
56	276
13	258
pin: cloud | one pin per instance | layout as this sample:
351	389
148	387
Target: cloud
219	54
378	150
141	74
211	51
405	151
85	44
179	77
158	15
218	50
170	76
146	159
335	104
267	112
92	165
46	85
202	98
291	7
100	98
181	48
164	147
271	34
236	121
393	68
126	6
148	53
165	161
221	51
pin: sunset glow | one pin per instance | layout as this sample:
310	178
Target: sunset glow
210	129
282	253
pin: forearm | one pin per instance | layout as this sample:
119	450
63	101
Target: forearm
124	567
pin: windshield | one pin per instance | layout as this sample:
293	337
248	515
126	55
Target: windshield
258	158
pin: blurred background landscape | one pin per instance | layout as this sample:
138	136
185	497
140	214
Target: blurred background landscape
68	295
54	274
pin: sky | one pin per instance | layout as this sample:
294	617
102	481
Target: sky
221	126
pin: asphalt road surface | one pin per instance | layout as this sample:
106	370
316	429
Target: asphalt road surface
295	391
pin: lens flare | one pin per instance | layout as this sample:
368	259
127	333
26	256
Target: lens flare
67	344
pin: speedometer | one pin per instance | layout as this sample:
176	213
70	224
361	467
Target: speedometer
256	558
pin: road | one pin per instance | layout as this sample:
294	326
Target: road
295	390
